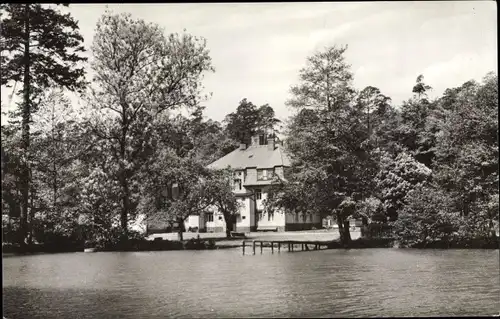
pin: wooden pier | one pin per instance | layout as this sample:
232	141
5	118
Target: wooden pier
288	245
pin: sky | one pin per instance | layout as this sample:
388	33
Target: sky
257	49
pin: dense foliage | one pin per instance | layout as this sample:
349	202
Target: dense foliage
422	173
249	120
137	148
126	154
40	47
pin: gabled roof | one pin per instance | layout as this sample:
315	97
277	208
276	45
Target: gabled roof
259	156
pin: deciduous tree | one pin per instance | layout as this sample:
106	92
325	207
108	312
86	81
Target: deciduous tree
139	73
220	193
249	120
326	141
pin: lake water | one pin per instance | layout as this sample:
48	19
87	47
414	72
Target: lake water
222	283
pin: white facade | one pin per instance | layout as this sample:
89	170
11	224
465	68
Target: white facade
254	168
253	216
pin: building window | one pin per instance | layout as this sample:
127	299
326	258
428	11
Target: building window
270	216
265	174
237	184
239	174
258	194
260	174
304	218
260	215
209	217
311	217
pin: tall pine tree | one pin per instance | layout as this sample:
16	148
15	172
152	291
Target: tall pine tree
40	47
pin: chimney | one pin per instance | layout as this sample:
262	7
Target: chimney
243	146
270	143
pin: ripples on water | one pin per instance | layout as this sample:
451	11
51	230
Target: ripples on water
329	283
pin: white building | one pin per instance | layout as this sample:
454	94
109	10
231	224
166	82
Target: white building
254	167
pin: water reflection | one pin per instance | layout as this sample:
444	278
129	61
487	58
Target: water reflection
333	283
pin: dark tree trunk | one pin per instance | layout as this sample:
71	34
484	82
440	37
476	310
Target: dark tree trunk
54	186
53	153
125	208
31	217
364	227
229	224
180	227
123	176
340	224
345	235
25	185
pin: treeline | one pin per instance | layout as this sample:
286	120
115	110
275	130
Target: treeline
423	173
87	172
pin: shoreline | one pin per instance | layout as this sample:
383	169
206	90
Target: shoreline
232	243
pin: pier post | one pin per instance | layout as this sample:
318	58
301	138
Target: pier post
243	247
272	247
289	247
261	246
279	246
302	246
253	244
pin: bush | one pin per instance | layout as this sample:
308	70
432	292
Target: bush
210	244
53	233
10	230
377	230
425	219
116	239
477	243
198	244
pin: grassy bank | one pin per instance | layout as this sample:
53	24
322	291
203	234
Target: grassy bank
160	244
364	243
131	245
489	243
42	248
391	243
